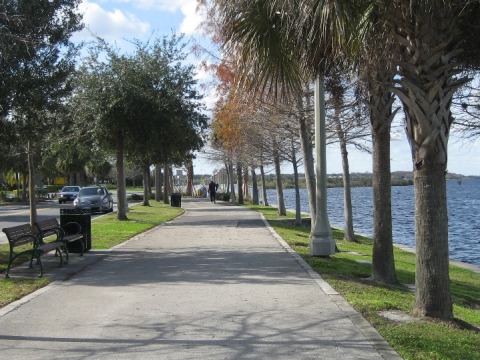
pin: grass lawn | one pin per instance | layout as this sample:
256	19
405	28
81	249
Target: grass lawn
349	273
107	232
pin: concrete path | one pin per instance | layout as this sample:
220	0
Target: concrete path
215	283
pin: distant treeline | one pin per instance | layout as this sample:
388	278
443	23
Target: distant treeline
399	178
336	180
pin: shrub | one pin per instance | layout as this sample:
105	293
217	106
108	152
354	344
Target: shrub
223	196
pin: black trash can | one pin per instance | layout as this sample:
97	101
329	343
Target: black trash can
176	199
84	219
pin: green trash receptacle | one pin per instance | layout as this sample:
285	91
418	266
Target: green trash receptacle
84	219
176	199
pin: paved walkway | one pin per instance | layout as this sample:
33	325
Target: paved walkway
215	283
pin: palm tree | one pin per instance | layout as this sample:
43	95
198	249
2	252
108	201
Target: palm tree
427	39
252	33
430	39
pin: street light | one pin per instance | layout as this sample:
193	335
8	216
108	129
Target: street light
321	238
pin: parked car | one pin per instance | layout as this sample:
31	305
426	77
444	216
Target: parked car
68	193
94	198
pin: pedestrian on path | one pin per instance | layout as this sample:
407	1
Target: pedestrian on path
212	189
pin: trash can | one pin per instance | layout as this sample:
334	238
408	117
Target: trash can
176	199
84	219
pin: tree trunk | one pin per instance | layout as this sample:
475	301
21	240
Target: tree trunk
25	185
158	182
254	188
189	178
278	175
246	190
383	261
232	184
432	283
264	187
31	183
227	170
298	210
166	184
121	185
349	234
146	186
379	83
426	87
240	183
308	161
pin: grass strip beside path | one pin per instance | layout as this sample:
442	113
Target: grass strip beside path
390	309
107	232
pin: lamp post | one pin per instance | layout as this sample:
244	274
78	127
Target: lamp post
321	239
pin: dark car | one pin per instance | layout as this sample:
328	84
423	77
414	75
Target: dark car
94	198
68	193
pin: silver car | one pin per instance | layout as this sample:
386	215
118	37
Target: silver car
94	198
68	193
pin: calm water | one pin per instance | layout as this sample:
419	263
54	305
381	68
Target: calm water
463	205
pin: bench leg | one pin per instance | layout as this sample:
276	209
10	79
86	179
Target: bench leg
31	260
39	261
59	251
82	246
7	274
65	247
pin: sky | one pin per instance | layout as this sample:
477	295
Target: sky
118	21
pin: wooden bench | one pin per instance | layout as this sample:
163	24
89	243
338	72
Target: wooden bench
24	235
69	233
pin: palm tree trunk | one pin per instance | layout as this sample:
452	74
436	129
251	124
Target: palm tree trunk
383	262
432	288
381	116
427	85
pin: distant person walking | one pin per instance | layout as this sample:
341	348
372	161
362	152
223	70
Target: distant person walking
212	189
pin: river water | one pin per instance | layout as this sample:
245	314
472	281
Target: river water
463	215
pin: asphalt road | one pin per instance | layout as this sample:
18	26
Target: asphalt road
12	215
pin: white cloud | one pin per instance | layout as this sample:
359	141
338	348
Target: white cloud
113	26
192	19
162	5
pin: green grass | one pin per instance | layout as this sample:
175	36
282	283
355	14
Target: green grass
107	232
421	339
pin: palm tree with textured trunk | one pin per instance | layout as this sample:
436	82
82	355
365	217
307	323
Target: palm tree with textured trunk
430	38
427	41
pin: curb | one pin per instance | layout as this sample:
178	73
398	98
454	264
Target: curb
385	350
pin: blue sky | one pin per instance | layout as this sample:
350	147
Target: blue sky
119	20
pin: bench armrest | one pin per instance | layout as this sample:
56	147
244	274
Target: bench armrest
50	232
